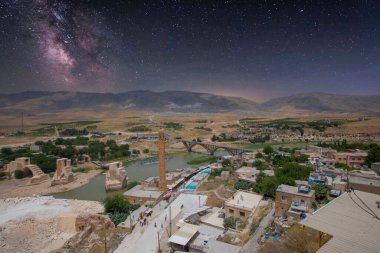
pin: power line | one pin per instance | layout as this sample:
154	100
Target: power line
366	205
370	213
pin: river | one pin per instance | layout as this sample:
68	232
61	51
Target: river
95	189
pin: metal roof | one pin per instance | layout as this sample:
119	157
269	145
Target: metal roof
184	234
352	229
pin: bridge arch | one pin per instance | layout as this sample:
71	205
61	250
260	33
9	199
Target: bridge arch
211	148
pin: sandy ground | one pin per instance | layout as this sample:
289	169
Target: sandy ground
30	224
19	188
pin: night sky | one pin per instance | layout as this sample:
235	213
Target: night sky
255	49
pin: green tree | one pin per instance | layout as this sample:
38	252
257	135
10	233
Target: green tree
320	191
226	163
268	150
259	155
116	204
6	151
269	186
373	154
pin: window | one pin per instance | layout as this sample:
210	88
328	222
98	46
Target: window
242	214
284	198
231	211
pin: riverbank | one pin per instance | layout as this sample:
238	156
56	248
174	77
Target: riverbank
19	188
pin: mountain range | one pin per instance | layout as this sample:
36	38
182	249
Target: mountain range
185	101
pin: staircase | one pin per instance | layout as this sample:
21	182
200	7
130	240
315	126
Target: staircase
38	175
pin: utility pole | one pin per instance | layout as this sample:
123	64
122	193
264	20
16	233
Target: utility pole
170	221
158	239
130	219
199	201
105	236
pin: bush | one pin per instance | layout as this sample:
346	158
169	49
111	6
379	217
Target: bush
118	208
242	185
3	174
229	223
118	218
253	228
19	174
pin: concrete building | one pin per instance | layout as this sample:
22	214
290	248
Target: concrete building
63	173
249	174
242	205
351	159
352	228
293	200
116	177
140	195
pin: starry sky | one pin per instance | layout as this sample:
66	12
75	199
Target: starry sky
255	49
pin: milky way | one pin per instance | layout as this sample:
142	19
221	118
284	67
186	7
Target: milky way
72	44
257	49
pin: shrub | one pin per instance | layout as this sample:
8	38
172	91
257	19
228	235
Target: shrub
2	174
229	223
253	228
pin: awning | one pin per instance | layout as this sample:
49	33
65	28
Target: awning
184	234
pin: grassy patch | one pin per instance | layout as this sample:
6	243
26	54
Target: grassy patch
203	159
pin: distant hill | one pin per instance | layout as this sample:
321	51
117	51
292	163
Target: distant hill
184	101
175	101
323	102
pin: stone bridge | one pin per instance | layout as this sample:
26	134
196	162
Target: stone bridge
211	147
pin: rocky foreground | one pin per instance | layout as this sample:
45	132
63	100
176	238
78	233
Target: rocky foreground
30	224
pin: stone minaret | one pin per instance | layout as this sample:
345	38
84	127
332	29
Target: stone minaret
161	152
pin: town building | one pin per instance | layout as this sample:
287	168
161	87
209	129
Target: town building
242	204
140	195
351	223
352	159
249	174
293	200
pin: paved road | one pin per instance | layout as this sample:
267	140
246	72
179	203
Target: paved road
252	245
144	239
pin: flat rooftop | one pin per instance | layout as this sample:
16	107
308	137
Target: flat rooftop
352	229
244	200
139	191
293	190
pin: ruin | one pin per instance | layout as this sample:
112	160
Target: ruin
63	173
116	177
23	164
